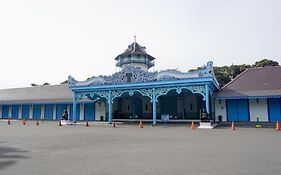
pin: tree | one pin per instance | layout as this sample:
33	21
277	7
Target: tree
265	63
46	84
33	84
65	82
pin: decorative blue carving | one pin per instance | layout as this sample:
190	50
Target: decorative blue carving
143	92
194	89
92	95
131	74
207	70
146	92
71	81
118	93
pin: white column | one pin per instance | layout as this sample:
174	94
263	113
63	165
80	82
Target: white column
54	111
81	111
10	110
1	111
42	116
20	111
31	112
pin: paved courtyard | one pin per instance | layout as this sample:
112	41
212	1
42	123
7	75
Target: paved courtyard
49	149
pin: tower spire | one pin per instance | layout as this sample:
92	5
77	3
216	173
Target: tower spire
135	38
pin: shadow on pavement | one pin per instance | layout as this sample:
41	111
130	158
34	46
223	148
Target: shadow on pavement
9	156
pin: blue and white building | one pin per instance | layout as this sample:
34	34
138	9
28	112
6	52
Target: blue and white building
255	93
132	93
135	92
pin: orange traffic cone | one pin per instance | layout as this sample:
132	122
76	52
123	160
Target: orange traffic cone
277	128
37	123
192	125
23	122
113	124
9	120
233	126
140	125
60	123
87	123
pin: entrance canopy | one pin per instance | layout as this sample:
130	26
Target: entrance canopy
134	80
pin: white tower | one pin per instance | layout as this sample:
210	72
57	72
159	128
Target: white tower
135	55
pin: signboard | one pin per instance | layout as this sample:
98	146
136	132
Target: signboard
164	117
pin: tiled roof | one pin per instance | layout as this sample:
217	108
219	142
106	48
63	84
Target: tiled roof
135	49
36	94
254	82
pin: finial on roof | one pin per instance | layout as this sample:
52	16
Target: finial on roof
135	38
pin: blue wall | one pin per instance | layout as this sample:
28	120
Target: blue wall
60	109
25	111
237	110
89	111
48	112
274	109
5	111
36	112
15	111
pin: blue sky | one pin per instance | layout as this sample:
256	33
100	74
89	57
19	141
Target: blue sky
45	41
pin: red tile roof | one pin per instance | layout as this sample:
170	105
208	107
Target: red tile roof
254	82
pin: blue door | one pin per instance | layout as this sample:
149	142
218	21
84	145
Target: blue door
89	111
48	112
60	109
25	111
77	112
36	112
243	110
232	110
5	111
237	110
15	111
274	109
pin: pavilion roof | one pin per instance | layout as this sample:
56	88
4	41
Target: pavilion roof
36	94
133	50
254	82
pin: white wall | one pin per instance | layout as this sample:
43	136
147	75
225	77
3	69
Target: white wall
81	111
99	110
220	109
258	109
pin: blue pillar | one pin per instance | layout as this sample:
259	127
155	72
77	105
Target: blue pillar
207	99
110	108
74	109
154	106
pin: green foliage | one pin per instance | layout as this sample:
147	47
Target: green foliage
33	84
266	63
65	82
